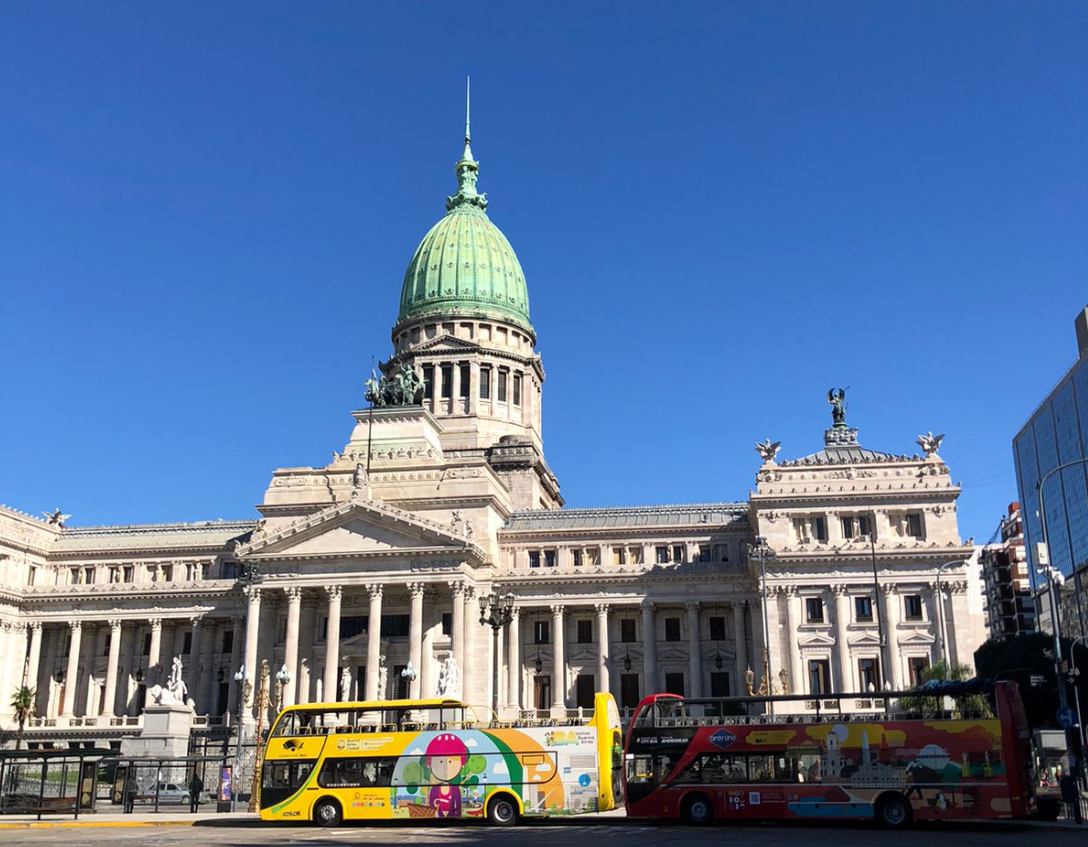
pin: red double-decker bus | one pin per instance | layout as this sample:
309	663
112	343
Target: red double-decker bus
799	757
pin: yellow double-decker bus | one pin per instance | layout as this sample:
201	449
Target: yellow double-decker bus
420	759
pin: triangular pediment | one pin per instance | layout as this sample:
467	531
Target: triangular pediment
917	637
446	342
360	528
816	639
865	639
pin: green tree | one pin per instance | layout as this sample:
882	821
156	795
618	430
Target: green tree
929	705
22	707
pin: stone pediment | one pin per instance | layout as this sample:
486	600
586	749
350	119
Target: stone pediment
816	639
865	639
446	342
917	637
359	528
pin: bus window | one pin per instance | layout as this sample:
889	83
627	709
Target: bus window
287	725
807	767
357	772
286	775
720	768
640	769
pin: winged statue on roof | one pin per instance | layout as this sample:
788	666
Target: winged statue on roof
56	518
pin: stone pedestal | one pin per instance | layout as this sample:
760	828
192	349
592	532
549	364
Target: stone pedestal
165	733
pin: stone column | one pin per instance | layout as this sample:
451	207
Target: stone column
253	623
457	637
50	706
513	662
455	392
290	647
695	650
604	648
842	618
205	675
94	648
415	638
193	665
33	660
468	668
71	676
109	693
437	394
473	386
129	682
793	623
235	663
891	631
427	670
307	624
559	670
331	691
154	654
374	643
649	649
740	638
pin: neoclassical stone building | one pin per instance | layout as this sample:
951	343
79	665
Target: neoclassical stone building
363	577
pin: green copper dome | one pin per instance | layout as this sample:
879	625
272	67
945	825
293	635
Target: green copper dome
465	267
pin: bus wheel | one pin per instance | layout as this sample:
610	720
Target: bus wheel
327	813
893	811
501	811
698	811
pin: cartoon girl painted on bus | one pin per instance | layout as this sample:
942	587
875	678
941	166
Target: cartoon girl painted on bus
446	756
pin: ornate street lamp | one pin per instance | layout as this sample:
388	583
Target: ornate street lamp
283	677
496	611
627	654
244	690
762	553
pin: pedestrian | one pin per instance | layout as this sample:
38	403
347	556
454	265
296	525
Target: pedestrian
196	785
129	792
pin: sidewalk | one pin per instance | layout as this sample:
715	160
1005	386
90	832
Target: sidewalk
152	819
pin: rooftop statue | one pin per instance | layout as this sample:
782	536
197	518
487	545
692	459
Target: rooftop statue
768	451
837	398
930	443
56	518
404	387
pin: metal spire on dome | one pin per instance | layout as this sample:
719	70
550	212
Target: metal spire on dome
468	168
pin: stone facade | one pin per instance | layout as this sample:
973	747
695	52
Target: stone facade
427	509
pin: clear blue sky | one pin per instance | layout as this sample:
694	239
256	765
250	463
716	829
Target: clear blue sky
722	210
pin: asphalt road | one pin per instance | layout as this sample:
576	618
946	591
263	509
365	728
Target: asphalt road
617	832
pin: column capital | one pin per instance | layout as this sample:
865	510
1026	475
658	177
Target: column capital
602	608
374	590
470	592
888	589
840	590
557	610
34	625
515	612
415	589
456	586
115	623
75	624
156	624
293	593
691	605
646	605
196	620
253	592
791	591
335	592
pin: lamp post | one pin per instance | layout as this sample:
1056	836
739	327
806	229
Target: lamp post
1073	674
262	704
496	611
941	632
1053	577
283	678
244	687
763	553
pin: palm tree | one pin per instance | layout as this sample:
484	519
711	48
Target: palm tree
22	707
922	704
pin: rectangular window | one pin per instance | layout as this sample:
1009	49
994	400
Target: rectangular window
704	554
187	643
228	641
576	558
869	674
719	683
447	382
447	624
541	632
814	610
674	683
584	691
428	380
848	527
627	630
662	555
230	570
863	609
534	558
485	383
819	528
679	554
819	676
147	644
394	626
466	382
502	386
717	628
912	605
585	632
369	772
549	558
517	389
918	667
634	555
619	556
672	629
914	524
863	525
629	694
